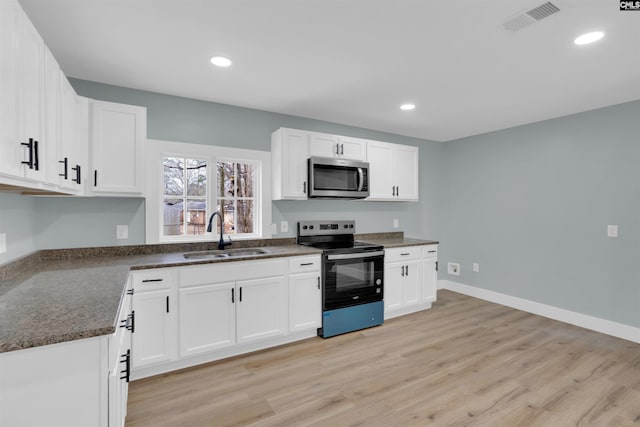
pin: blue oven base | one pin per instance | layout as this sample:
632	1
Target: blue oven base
348	319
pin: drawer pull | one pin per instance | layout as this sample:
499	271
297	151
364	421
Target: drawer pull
130	291
152	280
432	252
405	254
305	264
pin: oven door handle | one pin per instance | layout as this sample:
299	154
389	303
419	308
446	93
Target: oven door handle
355	255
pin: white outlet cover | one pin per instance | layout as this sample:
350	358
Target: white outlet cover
396	223
612	231
476	267
284	226
122	232
453	268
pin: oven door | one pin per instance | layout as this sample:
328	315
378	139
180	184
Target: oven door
352	279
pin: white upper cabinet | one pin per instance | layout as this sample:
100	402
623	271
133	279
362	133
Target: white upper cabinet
289	155
118	132
326	145
393	171
21	95
53	118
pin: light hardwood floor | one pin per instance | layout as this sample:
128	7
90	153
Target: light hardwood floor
465	362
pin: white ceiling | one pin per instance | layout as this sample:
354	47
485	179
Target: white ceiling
355	61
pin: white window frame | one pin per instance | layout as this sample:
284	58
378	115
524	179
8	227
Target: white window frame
155	152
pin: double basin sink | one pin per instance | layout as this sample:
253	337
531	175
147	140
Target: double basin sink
227	253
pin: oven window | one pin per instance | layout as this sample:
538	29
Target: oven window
335	178
354	275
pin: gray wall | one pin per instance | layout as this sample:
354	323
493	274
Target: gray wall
17	221
532	204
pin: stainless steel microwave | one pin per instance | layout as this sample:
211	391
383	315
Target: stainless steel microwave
338	178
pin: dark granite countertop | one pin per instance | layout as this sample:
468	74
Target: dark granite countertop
57	296
62	295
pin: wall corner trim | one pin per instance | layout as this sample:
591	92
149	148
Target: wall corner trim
618	330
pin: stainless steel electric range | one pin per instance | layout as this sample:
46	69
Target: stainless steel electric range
352	276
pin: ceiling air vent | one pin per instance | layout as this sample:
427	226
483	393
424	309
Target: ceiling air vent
528	17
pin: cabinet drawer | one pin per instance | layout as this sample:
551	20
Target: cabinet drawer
153	279
430	251
401	254
301	264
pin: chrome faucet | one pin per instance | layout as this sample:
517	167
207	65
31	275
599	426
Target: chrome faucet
221	243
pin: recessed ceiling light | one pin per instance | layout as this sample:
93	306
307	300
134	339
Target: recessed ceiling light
589	37
220	61
407	107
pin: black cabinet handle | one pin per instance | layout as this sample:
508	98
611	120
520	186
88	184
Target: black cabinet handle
337	149
432	252
305	263
65	162
402	270
304	187
126	359
405	254
152	280
95	177
436	265
78	172
318	282
406	270
393	192
240	293
130	322
36	161
167	303
398	191
130	291
133	321
30	145
342	149
233	299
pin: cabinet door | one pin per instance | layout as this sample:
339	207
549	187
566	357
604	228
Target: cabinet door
118	132
295	152
305	301
405	172
429	279
10	148
261	308
207	318
154	337
393	283
381	180
323	145
52	115
353	148
412	281
68	153
31	48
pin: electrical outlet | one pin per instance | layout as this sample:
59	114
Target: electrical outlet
453	268
284	226
476	267
612	231
274	229
122	232
396	223
3	243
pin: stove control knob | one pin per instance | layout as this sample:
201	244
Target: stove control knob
378	281
304	227
311	227
346	226
350	225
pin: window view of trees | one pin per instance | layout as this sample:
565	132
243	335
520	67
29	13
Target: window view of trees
185	196
236	198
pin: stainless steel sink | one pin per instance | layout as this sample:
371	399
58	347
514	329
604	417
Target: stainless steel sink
228	253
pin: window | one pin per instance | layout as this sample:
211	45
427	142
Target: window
236	193
184	197
189	182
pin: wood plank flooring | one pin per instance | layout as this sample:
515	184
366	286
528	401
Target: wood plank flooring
465	362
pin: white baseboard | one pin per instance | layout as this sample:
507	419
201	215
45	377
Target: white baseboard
608	327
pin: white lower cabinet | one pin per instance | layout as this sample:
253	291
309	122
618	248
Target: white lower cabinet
305	294
207	318
195	314
71	384
410	279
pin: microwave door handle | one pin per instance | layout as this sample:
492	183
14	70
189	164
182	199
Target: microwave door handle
361	255
360	179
